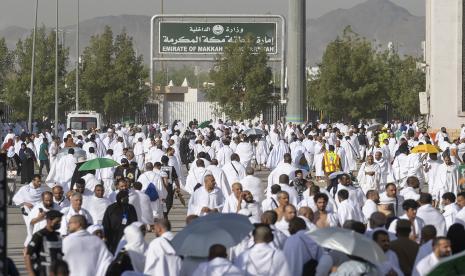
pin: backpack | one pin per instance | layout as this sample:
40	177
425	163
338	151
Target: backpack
362	138
152	192
310	265
121	263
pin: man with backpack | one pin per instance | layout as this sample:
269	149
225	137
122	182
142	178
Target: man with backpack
172	179
302	253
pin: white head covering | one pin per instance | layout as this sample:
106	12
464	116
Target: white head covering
11	152
94	227
135	246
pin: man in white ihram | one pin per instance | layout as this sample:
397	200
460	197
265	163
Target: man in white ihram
262	259
220	177
218	264
27	197
284	167
161	257
206	199
299	247
86	254
441	249
253	184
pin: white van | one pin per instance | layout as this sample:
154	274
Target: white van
80	121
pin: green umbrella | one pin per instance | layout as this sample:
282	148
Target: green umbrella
129	121
98	163
204	124
453	265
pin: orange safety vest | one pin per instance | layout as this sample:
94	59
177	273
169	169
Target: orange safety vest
331	162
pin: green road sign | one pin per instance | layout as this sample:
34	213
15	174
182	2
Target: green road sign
210	38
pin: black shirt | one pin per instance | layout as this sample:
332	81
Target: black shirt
44	248
171	172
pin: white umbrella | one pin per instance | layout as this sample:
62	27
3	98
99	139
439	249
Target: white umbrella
335	174
197	237
253	131
348	242
78	152
374	127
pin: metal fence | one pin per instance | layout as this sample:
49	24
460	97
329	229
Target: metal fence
187	111
5	112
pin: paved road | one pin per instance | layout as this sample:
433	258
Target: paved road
17	231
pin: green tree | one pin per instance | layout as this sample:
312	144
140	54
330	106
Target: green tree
44	80
403	79
348	85
113	77
96	79
6	63
129	75
162	78
242	81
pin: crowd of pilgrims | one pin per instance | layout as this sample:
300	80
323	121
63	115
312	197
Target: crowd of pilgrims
360	177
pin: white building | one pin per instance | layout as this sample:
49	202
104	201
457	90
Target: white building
444	59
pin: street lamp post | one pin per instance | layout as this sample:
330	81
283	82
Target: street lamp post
56	72
29	122
77	60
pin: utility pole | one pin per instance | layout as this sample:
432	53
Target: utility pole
295	110
77	56
31	91
56	72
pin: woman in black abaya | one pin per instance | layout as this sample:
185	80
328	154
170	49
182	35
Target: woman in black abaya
28	158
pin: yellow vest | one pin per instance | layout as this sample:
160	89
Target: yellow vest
331	162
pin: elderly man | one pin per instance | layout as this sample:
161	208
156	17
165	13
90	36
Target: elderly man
206	199
86	254
262	258
74	209
234	200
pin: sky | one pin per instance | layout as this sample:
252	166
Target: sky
20	12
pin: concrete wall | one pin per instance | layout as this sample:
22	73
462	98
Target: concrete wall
444	63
